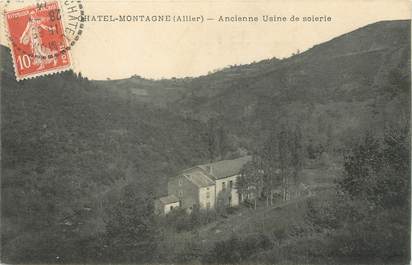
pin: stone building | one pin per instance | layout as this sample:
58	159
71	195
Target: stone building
207	186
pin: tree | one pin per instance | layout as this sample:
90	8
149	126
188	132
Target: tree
362	167
195	217
249	183
281	159
284	158
296	159
214	139
218	142
270	163
368	218
131	230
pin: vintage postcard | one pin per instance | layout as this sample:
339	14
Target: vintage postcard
205	132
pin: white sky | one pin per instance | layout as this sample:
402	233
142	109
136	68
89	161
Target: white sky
118	50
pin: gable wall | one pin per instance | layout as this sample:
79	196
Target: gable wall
222	195
204	198
186	191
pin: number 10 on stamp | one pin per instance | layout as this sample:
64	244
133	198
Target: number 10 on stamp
38	44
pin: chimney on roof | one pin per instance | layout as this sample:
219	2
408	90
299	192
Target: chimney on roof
210	169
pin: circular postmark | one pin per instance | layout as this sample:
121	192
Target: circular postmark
43	32
73	15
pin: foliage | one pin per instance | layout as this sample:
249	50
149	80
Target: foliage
378	172
72	149
130	227
219	143
368	219
277	164
180	220
250	181
68	150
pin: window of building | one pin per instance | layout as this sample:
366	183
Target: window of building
171	207
180	193
231	184
223	185
180	182
207	195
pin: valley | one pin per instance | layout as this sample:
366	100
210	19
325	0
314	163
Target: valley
83	160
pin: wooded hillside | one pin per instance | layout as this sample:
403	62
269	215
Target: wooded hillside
83	160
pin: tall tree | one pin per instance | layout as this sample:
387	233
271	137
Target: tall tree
269	162
296	158
250	181
218	142
212	139
284	156
131	230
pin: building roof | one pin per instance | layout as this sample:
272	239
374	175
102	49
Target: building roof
169	199
205	175
198	178
225	168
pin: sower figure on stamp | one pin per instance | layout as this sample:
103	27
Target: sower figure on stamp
42	54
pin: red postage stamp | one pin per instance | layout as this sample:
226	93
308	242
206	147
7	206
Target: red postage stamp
38	44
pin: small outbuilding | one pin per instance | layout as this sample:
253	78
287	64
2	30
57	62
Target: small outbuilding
165	204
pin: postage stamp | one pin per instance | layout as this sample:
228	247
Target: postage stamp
38	43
